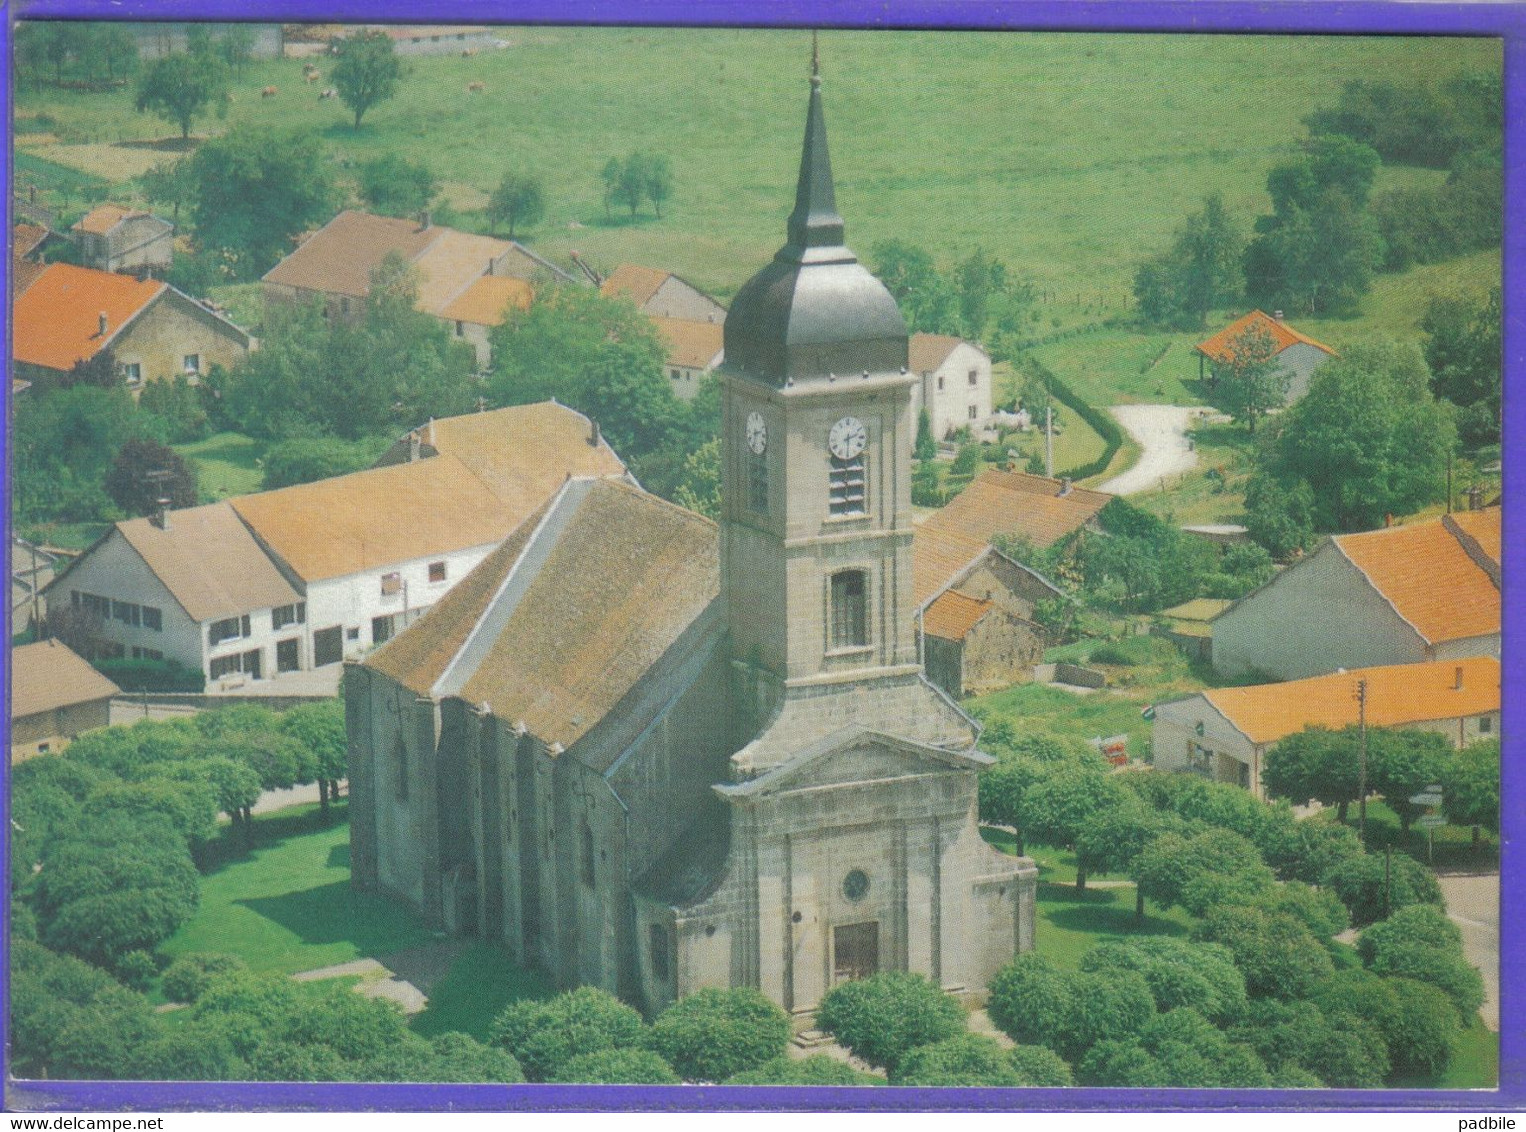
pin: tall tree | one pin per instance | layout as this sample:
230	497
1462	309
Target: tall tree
1198	273
927	300
236	46
180	88
1314	765
144	472
657	180
609	178
367	72
1251	380
1463	351
395	186
518	199
172	183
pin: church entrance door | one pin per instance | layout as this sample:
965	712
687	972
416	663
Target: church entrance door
855	951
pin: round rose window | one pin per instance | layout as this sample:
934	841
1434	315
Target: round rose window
855	886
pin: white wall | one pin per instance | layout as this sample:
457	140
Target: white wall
949	408
1301	360
1175	731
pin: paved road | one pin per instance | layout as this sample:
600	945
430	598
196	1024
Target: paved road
1473	904
1161	430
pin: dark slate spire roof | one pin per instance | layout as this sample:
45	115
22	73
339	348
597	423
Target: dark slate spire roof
815	310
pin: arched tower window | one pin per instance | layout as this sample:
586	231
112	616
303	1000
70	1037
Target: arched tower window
757	482
850	612
848	486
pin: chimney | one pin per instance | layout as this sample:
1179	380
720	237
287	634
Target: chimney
413	446
1277	315
101	322
1457	680
161	519
595	437
1065	485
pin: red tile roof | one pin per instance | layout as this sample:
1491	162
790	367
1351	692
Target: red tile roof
689	342
953	615
57	317
104	217
926	352
26	238
632	280
1220	348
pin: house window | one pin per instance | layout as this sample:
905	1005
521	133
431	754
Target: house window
757	482
146	654
153	618
847	492
223	665
974	377
126	612
328	647
133	372
391	584
381	629
352	633
850	621
92	603
460	329
284	615
437	571
974	410
586	846
229	629
193	363
288	655
658	947
1485	724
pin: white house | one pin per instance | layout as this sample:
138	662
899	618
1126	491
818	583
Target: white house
1225	733
954	383
1297	353
661	294
693	349
1402	595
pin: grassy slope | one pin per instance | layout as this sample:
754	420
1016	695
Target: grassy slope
226	464
1068	156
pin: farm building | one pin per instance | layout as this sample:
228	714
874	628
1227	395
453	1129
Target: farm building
1225	733
693	349
335	264
954	382
661	294
651	755
473	313
300	578
55	696
1402	595
111	237
71	314
1189	626
1298	354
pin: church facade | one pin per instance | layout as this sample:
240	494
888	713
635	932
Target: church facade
654	754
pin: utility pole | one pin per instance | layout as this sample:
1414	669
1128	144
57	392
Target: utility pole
1361	705
1049	441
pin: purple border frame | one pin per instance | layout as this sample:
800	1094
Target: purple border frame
1506	20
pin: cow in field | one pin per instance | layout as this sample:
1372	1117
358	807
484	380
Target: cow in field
268	92
468	52
329	93
475	88
310	76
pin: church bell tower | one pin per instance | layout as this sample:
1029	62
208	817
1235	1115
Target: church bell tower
816	456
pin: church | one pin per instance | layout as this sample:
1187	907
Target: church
651	753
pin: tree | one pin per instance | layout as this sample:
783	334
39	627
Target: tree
609	178
1278	956
1416	1021
656	180
180	88
714	1034
305	460
1200	272
1463	352
615	1067
1403	763
1250	378
965	1060
1314	765
1279	515
145	472
187	978
367	71
1179	974
319	727
547	1035
630	186
1370	887
1057	809
1214	867
1472	787
256	187
927	300
518	199
236	46
700	487
1368	439
884	1017
926	447
817	1069
1110	840
395	186
1036	1003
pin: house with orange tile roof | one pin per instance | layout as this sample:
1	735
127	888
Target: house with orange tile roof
334	266
288	581
1423	591
1225	733
661	294
114	237
1297	353
71	314
473	313
55	696
953	382
693	350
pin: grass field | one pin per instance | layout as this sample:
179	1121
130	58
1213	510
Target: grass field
1068	156
226	464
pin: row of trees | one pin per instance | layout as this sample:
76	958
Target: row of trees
93	51
642	177
978	299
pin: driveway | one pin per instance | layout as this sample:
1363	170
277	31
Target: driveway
1161	430
1473	904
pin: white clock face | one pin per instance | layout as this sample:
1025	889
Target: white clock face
757	433
847	438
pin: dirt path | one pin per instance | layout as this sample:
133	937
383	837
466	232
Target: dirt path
1161	430
406	977
1473	904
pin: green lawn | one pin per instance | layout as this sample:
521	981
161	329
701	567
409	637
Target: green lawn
1037	153
480	983
1071	922
64	536
227	464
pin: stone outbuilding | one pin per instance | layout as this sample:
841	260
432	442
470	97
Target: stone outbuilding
112	237
1296	353
55	696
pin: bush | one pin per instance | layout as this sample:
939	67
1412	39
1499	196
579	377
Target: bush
1421	924
715	1034
1031	1000
1274	951
615	1067
963	1060
545	1036
817	1069
136	675
1444	969
305	460
1359	882
1039	1067
883	1017
136	970
1202	976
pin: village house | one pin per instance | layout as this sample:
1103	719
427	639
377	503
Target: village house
954	382
112	237
661	294
1402	595
302	577
55	697
1225	733
32	569
334	266
693	350
975	604
1297	354
1189	626
652	755
27	241
473	313
70	314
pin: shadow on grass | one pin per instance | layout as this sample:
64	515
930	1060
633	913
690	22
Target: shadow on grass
338	913
233	845
480	983
339	856
1112	920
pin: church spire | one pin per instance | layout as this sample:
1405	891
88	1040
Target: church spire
815	222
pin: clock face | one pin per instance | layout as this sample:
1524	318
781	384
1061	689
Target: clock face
847	438
757	433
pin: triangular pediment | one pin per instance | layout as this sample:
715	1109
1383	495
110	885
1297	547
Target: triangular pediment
855	754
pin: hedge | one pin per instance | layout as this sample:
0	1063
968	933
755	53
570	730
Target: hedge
1102	423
